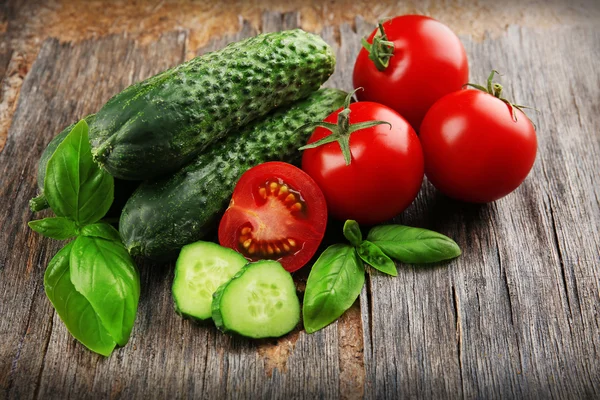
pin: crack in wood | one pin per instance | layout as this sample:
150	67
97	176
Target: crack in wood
560	260
459	337
275	354
15	360
38	381
10	87
351	353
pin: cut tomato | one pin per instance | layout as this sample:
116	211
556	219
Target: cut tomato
277	212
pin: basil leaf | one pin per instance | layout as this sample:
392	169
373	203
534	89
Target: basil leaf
75	311
59	228
413	245
104	273
372	255
101	230
352	232
75	186
333	285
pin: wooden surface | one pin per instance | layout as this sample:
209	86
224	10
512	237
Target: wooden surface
516	316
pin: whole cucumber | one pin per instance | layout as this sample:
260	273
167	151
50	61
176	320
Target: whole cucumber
163	216
158	125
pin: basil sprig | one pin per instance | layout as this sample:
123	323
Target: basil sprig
337	277
92	282
413	245
333	285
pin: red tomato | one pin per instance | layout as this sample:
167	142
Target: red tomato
385	172
474	150
276	212
428	62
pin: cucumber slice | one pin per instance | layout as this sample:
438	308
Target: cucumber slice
260	301
201	268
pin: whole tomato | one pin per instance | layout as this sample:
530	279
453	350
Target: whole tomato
408	63
478	147
367	170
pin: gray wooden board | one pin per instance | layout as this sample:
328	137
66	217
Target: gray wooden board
517	315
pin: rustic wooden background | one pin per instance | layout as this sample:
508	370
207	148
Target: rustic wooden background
516	316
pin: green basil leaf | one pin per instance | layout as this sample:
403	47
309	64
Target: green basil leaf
105	274
59	228
101	230
75	186
352	232
75	311
333	285
413	245
374	256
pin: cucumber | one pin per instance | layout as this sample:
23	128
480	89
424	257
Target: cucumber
260	301
158	125
200	269
123	189
163	216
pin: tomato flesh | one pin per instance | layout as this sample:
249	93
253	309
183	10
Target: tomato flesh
276	212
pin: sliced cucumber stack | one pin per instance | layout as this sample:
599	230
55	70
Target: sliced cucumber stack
201	268
260	301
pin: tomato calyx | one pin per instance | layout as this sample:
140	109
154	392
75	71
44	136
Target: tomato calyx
495	89
381	50
341	131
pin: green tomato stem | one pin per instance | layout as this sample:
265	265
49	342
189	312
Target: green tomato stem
341	132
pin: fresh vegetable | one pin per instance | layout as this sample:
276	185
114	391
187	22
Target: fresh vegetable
375	257
163	216
408	63
104	273
201	268
123	189
337	277
73	308
74	186
334	283
260	301
369	164
39	203
276	212
92	282
413	245
158	125
478	146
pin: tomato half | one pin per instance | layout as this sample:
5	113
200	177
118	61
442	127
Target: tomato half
385	171
276	212
428	62
474	149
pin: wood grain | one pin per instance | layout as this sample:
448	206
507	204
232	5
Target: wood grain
516	316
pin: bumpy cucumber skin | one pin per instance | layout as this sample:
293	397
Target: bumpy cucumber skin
158	125
218	296
163	216
178	271
123	189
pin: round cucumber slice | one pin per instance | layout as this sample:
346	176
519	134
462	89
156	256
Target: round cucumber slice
260	301
201	268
